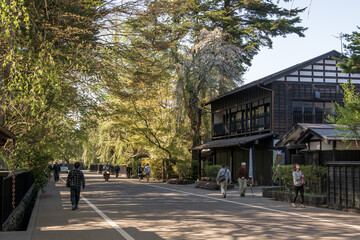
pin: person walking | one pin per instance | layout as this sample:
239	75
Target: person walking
56	169
298	178
128	171
117	170
147	172
75	181
243	174
140	170
223	177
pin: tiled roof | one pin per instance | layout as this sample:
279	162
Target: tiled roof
232	141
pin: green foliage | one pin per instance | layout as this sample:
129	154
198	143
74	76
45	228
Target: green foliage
348	116
46	92
314	177
69	91
183	169
351	64
284	174
211	171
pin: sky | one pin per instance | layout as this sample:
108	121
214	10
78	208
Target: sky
325	19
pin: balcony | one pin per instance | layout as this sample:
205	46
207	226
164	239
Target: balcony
219	129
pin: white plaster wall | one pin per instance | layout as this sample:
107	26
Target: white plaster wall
342	146
326	146
314	146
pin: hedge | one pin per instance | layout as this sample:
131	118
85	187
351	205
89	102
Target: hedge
314	177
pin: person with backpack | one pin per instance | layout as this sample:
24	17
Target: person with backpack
140	170
223	178
298	177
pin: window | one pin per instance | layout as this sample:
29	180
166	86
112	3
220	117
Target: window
319	113
297	112
311	112
329	110
308	113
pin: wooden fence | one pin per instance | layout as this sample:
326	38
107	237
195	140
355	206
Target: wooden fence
24	185
344	185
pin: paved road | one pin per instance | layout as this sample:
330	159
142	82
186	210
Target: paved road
136	210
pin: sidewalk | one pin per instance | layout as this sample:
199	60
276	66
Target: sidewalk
52	218
56	220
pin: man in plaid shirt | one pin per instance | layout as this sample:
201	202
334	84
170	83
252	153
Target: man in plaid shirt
74	181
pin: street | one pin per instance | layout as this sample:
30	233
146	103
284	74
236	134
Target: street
128	209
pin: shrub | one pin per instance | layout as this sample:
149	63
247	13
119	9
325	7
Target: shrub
183	169
212	171
314	177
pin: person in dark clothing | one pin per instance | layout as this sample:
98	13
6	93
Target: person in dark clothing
56	169
243	174
140	170
128	171
117	170
75	181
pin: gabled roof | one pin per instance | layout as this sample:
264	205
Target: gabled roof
326	134
273	77
303	131
294	133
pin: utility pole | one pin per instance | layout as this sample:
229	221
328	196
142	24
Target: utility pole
340	36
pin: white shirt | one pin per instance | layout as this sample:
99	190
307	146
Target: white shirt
147	169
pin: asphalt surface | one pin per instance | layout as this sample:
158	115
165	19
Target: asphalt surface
129	209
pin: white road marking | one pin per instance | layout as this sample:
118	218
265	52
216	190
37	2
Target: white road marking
258	207
106	218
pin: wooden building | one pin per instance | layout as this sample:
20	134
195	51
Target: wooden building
248	121
318	144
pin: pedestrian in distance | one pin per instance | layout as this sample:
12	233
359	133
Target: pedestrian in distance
128	171
106	167
147	172
298	178
56	169
223	178
117	170
140	170
243	174
75	181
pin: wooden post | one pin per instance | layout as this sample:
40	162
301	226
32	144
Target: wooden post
1	201
199	166
340	187
328	184
251	163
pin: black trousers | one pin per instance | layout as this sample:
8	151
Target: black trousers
297	189
75	195
56	176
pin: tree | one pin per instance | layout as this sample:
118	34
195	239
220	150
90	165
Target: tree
180	27
348	114
48	83
214	65
351	64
